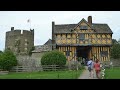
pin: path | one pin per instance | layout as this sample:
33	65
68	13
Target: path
85	74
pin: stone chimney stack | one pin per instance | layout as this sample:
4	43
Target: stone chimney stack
12	28
53	41
90	20
53	24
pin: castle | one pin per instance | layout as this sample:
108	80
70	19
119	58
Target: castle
18	41
84	39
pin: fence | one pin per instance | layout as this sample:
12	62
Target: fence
52	67
41	68
21	69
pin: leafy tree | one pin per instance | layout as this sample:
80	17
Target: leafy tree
119	41
53	58
115	51
1	51
114	41
7	60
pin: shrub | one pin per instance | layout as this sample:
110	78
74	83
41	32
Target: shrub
53	58
7	60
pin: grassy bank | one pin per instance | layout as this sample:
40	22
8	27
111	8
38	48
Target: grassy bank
113	73
43	75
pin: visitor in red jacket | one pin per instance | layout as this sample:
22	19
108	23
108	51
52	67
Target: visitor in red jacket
97	68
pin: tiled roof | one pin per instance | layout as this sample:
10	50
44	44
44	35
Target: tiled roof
42	48
48	42
46	47
102	28
66	28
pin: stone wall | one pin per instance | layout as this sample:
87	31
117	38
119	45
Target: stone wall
26	60
116	62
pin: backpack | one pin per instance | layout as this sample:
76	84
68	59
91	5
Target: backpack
89	66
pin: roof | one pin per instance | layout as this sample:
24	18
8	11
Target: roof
48	42
43	48
101	28
66	28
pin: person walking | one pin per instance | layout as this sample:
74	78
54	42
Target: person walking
97	68
90	65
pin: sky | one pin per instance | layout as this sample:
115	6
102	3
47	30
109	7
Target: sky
41	22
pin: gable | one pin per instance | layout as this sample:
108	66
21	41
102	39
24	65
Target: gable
83	24
83	27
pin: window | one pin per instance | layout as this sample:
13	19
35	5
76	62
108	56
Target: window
81	36
25	49
67	53
25	39
25	44
83	27
104	53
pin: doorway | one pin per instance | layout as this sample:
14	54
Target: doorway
83	51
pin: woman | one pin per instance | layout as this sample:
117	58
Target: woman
97	68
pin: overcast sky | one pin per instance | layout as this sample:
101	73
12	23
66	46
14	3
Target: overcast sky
41	22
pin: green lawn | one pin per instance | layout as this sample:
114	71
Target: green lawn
43	75
112	73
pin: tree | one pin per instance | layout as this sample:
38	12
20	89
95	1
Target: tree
114	41
7	60
115	51
1	52
119	41
53	58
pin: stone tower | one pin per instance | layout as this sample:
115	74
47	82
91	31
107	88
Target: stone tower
19	41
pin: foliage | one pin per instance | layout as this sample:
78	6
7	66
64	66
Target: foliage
115	51
119	41
53	58
114	41
7	60
1	52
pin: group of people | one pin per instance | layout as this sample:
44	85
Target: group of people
94	66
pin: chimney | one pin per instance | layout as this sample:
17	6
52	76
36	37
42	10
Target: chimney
12	28
53	37
90	20
53	23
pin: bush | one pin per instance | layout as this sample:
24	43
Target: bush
7	60
53	58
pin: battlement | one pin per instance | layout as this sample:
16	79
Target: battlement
19	32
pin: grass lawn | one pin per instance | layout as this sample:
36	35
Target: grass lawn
43	75
112	73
